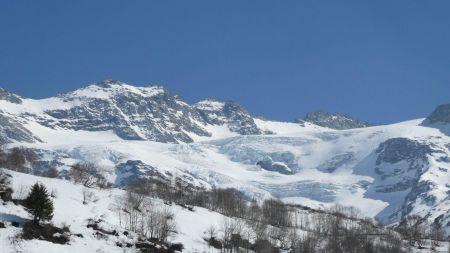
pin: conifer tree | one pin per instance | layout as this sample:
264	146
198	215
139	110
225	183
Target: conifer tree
39	204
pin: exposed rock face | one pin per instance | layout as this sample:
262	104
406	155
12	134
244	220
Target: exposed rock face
399	149
12	130
401	158
270	165
334	120
8	96
133	170
230	113
440	114
400	163
133	113
336	162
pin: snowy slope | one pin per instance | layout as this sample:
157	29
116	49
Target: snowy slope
69	210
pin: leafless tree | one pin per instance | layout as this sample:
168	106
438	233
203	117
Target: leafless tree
211	235
276	212
21	191
211	232
437	233
86	173
88	196
413	228
139	214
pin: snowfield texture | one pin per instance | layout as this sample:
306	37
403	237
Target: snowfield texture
387	171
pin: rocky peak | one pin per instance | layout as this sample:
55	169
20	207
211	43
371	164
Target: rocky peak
133	113
440	114
9	96
145	113
110	89
109	83
137	113
333	120
209	104
231	113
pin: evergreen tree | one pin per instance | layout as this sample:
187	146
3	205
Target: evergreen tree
39	204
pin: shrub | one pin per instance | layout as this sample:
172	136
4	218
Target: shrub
52	172
176	247
47	232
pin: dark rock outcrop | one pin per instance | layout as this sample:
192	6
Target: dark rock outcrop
230	113
440	115
12	130
10	97
333	120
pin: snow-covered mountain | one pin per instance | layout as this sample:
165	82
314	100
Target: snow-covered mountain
333	120
131	113
387	171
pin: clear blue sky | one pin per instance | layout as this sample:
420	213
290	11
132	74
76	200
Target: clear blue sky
382	61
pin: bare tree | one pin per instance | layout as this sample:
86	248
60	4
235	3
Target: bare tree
229	228
139	214
88	196
413	228
168	223
437	233
18	157
211	235
21	191
211	231
159	223
276	212
86	173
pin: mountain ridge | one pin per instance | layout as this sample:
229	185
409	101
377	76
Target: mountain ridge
138	113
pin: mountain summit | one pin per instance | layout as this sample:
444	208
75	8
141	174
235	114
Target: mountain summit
440	115
130	112
333	120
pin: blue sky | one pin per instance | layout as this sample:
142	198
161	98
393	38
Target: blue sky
381	61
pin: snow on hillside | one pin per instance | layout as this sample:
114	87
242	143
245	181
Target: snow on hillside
70	211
